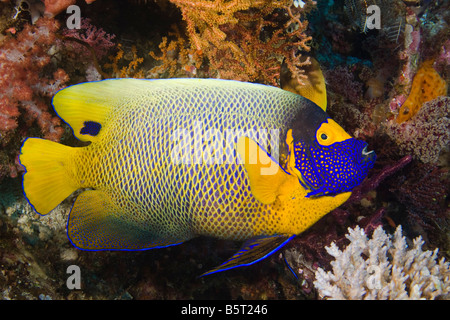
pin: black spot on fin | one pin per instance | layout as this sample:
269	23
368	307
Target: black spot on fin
252	251
91	128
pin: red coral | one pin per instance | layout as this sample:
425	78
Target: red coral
22	60
25	88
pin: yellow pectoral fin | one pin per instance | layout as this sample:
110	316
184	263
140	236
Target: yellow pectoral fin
265	174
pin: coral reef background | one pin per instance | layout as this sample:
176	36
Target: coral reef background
382	268
369	75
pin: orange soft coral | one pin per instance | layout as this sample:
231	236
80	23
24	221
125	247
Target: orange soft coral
242	39
427	85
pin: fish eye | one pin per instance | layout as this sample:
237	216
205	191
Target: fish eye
330	132
325	136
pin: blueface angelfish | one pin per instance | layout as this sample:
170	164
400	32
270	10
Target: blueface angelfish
173	159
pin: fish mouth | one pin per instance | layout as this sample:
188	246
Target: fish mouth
368	155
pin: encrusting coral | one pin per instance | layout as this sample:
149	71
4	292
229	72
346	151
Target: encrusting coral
427	133
383	268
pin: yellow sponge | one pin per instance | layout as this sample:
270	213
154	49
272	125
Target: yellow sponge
427	85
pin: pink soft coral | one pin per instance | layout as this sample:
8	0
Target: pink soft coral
97	38
23	84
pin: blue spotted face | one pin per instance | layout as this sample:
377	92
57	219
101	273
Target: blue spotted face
326	159
333	169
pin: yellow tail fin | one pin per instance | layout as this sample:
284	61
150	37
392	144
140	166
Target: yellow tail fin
46	183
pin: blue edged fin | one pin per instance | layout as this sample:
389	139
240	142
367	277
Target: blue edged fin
252	251
94	224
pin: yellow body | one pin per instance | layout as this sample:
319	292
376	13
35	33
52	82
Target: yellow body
148	187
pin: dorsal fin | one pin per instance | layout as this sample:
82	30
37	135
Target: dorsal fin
313	87
85	107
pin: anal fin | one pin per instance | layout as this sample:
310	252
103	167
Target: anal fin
96	224
252	251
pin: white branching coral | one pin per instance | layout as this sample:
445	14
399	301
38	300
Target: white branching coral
383	268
